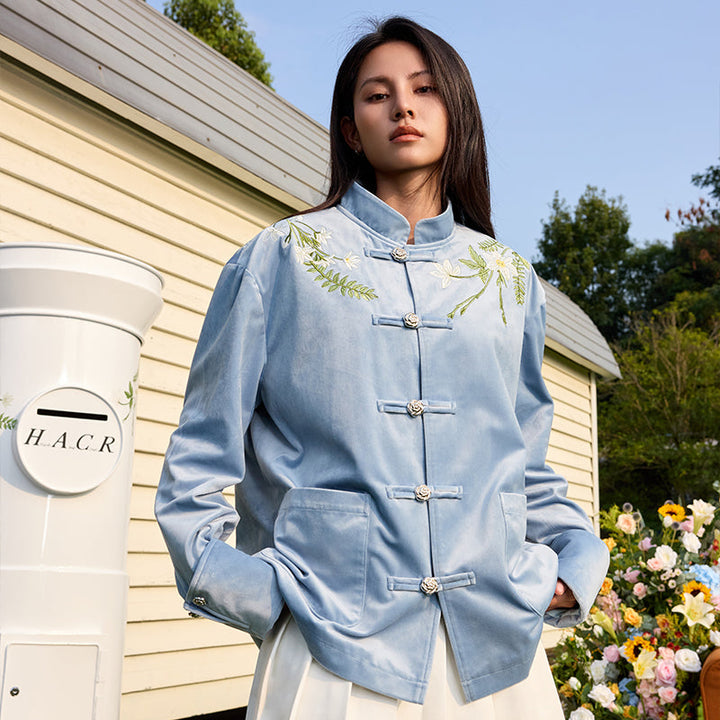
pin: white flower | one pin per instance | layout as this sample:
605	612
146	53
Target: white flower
691	542
497	261
352	261
598	631
602	694
322	236
6	399
581	714
575	684
597	670
702	513
667	557
445	272
277	231
696	610
715	637
687	660
302	253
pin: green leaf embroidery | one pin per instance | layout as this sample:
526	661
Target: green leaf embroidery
130	396
7	422
490	259
310	248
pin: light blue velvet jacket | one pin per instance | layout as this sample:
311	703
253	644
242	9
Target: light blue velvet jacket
380	410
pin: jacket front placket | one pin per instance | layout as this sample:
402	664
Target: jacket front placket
419	319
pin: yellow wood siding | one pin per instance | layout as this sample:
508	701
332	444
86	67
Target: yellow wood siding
72	174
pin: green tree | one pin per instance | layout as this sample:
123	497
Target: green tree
659	425
686	275
582	252
222	27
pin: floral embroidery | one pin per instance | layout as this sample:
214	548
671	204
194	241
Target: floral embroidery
446	272
492	261
311	250
6	421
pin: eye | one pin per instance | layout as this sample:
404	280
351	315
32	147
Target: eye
426	89
376	97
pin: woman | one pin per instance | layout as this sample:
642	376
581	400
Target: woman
369	378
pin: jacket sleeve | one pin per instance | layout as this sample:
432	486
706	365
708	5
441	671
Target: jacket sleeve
206	455
552	518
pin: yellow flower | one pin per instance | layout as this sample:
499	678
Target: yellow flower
663	622
632	648
695	588
645	664
696	610
676	512
631	617
610	542
566	690
606	587
614	687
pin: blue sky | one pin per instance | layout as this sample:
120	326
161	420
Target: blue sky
623	94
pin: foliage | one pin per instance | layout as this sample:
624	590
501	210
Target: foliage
222	27
311	249
582	251
659	425
686	275
639	653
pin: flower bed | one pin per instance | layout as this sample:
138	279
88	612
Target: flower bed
640	652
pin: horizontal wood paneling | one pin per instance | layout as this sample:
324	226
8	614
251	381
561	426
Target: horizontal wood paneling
187	634
70	175
182	667
185	700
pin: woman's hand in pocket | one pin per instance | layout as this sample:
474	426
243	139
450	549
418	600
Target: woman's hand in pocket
563	597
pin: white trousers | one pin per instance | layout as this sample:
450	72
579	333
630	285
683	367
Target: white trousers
290	685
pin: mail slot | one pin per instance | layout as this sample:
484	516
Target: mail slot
72	320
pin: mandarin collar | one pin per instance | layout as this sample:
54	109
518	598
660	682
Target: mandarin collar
389	223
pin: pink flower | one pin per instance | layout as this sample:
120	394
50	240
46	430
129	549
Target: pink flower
687	525
666	653
655	564
645	544
666	674
611	653
667	694
715	600
631	575
640	590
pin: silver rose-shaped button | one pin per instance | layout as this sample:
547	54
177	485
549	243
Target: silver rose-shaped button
415	408
199	601
411	320
429	585
422	493
399	254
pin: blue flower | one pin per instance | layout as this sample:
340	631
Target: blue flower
707	576
623	684
633	700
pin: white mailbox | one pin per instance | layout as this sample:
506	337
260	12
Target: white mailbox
71	324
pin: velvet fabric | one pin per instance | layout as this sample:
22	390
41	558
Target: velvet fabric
380	409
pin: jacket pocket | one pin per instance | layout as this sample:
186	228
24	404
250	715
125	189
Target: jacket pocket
322	536
532	567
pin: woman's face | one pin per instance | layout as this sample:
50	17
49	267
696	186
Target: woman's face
400	122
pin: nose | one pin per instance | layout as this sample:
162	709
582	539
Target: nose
403	106
402	111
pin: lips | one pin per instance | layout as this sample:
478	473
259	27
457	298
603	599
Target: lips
405	130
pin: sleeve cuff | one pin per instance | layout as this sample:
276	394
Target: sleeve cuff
234	588
583	561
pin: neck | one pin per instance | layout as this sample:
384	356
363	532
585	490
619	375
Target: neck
414	198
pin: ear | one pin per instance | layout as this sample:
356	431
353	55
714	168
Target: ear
350	133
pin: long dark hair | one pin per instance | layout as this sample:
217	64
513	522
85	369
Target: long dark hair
463	172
